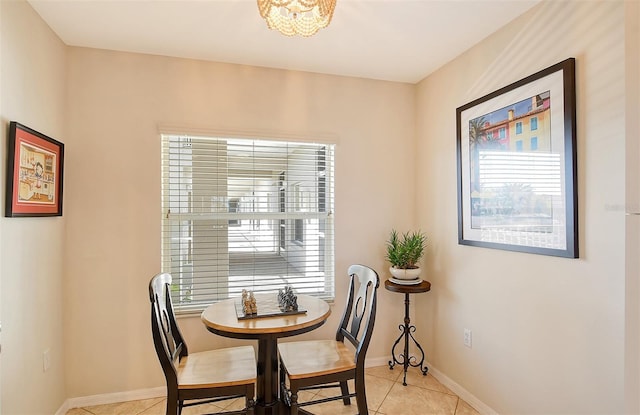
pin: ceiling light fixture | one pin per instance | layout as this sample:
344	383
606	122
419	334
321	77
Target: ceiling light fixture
297	17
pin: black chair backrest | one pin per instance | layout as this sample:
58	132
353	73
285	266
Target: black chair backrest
167	339
360	308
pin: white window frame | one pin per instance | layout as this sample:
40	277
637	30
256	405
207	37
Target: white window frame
197	215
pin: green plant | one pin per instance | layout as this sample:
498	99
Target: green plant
405	251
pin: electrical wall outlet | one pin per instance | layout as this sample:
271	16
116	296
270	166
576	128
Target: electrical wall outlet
467	338
46	360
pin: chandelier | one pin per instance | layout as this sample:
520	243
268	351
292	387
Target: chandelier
297	17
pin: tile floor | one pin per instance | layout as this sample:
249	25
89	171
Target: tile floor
423	395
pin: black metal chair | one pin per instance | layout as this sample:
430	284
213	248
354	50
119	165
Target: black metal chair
203	377
331	363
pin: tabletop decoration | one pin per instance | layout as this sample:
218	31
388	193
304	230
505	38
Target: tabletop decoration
287	300
249	305
267	327
252	306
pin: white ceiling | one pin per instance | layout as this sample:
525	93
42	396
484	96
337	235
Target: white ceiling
395	40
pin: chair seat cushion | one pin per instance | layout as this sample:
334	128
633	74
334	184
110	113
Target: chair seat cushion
215	368
313	358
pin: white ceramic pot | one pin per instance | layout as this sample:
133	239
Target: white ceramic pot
405	274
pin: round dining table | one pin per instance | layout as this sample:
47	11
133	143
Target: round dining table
226	319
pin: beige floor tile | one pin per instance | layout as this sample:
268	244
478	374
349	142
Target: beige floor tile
334	408
410	371
157	409
416	378
123	408
384	372
203	409
334	391
465	409
423	395
412	400
160	409
377	389
305	396
233	404
77	411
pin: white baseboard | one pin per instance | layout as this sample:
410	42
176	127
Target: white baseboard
63	409
108	398
139	394
161	391
376	361
462	393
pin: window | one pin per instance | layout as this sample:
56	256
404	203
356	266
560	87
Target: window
246	214
234	207
519	145
534	123
534	143
502	133
519	128
298	224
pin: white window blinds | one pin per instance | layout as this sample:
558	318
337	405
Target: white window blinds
246	214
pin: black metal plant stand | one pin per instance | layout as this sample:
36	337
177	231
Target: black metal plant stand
406	331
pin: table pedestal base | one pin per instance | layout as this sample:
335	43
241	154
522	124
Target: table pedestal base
267	402
221	318
406	332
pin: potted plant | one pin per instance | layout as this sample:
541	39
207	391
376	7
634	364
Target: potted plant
403	253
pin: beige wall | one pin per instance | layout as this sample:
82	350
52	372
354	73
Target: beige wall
33	71
548	333
117	102
632	205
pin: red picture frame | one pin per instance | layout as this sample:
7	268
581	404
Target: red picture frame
34	173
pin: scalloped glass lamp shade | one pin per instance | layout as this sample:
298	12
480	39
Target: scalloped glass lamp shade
297	17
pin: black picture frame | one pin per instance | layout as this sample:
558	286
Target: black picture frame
34	173
517	167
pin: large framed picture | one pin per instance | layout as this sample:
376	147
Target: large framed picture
34	173
517	185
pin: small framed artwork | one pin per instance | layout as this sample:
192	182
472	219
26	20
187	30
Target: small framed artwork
516	148
34	173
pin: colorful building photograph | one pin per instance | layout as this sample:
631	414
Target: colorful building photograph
515	173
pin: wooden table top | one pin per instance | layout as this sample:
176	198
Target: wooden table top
424	286
222	317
